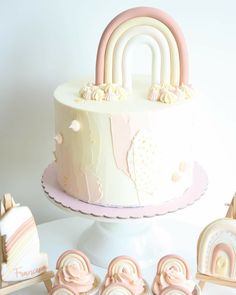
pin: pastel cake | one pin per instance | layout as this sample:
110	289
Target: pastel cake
123	141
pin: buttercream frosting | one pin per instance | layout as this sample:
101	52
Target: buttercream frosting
106	92
169	94
134	283
172	277
76	278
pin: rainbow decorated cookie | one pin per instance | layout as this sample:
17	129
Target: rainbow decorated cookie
21	257
74	273
173	277
217	250
124	274
117	288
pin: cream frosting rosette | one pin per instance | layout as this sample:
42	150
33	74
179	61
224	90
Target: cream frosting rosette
79	280
173	275
124	271
74	272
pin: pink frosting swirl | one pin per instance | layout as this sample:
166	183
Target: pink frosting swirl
74	277
172	277
134	283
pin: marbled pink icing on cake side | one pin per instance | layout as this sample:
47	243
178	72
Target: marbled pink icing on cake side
123	130
139	12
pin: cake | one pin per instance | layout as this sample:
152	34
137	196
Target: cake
125	141
124	277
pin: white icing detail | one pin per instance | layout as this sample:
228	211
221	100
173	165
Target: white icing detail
75	125
142	162
140	22
58	138
155	40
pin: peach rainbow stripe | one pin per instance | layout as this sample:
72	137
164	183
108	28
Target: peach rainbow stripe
26	245
130	14
19	232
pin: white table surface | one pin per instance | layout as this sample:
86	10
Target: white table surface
60	235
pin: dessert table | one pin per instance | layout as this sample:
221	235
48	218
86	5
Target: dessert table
60	235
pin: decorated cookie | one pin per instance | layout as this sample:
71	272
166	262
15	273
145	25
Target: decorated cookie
22	258
75	273
117	288
173	277
62	290
124	273
217	249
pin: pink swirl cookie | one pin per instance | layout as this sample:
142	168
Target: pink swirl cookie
125	272
74	271
173	274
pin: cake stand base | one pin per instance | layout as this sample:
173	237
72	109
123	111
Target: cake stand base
123	231
103	241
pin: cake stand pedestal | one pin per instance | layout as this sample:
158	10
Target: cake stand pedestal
123	231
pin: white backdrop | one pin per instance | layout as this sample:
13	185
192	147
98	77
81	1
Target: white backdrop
46	42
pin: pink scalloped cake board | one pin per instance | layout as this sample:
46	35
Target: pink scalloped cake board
191	195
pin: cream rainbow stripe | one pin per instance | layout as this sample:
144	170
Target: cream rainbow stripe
157	43
127	59
123	31
142	16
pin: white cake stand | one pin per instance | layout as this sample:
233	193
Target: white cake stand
123	231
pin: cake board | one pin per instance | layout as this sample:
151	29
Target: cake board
130	231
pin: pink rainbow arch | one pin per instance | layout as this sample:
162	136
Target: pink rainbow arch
143	12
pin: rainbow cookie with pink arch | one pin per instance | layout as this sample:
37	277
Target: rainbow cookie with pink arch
124	274
173	277
217	250
124	141
75	275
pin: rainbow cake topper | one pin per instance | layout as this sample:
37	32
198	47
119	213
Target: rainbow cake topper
157	30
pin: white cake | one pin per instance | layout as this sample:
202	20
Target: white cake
128	143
